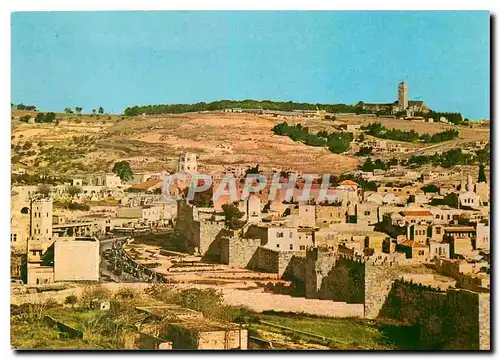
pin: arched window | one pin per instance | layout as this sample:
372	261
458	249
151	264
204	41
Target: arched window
25	210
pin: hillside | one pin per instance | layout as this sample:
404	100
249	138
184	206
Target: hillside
153	143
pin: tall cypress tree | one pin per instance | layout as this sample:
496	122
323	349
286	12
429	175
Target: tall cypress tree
482	174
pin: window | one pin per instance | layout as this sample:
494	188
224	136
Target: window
438	231
279	234
291	235
291	246
278	245
437	216
302	247
367	213
421	252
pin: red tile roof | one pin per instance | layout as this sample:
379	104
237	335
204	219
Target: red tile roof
349	182
413	244
416	213
459	228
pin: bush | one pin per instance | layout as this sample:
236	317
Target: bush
163	293
364	151
71	300
126	293
337	142
76	206
92	292
431	188
25	118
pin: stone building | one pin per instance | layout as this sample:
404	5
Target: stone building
418	233
201	228
366	213
330	214
460	239
439	250
415	251
482	236
188	163
253	210
106	180
76	260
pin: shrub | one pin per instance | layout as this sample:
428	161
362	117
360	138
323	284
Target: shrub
92	292
71	300
76	206
126	293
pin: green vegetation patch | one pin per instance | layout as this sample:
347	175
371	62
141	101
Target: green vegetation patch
380	131
337	142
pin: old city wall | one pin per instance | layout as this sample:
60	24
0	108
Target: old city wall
378	280
211	233
201	234
238	252
276	262
456	319
296	269
484	321
187	227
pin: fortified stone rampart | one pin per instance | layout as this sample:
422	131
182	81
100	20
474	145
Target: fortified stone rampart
378	283
274	261
199	233
330	276
239	252
455	319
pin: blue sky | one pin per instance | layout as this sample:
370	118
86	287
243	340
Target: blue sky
120	59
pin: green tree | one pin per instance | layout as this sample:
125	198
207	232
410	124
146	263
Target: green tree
68	111
430	188
71	300
73	190
123	170
368	165
482	174
233	216
44	190
101	110
25	118
93	111
78	110
364	151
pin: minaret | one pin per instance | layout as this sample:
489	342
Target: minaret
402	96
470	184
463	185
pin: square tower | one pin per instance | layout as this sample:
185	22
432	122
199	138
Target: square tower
41	219
188	163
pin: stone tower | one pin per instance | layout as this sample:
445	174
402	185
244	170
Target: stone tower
402	96
188	163
41	219
470	183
